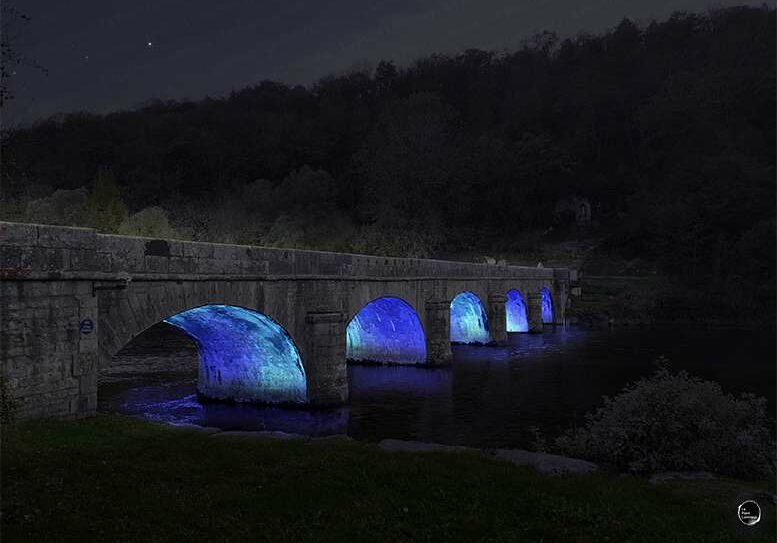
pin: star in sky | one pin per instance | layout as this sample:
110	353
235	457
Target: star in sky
300	42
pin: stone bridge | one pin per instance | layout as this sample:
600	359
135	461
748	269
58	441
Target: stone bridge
71	298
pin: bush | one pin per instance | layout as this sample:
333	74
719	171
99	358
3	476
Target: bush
403	240
12	210
323	232
676	422
63	207
150	222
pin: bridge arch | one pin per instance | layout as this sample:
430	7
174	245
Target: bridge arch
245	356
547	306
386	330
515	312
469	323
125	314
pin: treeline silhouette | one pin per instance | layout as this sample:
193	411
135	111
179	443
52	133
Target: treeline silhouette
668	130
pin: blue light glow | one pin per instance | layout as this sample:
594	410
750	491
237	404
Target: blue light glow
547	306
369	382
468	319
386	330
176	402
244	356
515	308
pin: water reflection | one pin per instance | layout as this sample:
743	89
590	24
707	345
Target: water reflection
489	396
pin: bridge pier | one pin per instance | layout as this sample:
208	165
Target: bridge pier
48	348
438	332
327	378
534	312
497	318
86	361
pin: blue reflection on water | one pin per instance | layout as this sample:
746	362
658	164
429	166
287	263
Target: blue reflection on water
413	381
468	319
177	403
386	330
244	356
489	397
547	306
515	309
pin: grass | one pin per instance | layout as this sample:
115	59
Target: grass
112	478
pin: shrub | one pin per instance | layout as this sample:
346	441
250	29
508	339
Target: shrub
324	232
12	210
676	422
63	207
150	222
392	240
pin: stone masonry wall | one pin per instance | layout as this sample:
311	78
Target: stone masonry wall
70	298
27	248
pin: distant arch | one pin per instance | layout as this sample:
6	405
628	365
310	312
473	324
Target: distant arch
469	323
547	306
245	356
515	310
386	330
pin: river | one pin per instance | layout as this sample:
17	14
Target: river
511	396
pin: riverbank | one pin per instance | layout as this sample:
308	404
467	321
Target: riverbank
117	478
632	292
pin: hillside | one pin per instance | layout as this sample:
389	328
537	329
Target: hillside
665	130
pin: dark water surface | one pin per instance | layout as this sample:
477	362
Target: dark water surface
489	396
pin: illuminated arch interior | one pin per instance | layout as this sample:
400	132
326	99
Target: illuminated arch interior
547	306
515	308
468	319
244	355
386	330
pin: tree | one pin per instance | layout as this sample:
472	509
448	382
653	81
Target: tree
409	162
151	222
105	209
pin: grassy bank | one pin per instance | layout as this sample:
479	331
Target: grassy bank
112	478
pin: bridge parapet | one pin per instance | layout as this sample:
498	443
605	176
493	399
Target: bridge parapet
27	250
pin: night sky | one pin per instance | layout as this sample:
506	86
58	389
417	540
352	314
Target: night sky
109	54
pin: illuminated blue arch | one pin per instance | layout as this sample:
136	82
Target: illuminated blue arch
468	319
245	356
386	330
515	308
547	306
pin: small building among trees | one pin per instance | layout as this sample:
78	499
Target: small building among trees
574	209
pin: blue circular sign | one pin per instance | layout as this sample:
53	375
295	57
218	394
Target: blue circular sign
86	326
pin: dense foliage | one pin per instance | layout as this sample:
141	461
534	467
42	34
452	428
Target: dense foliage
676	422
667	129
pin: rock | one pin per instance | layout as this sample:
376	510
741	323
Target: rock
551	464
668	476
398	445
333	437
194	427
262	434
